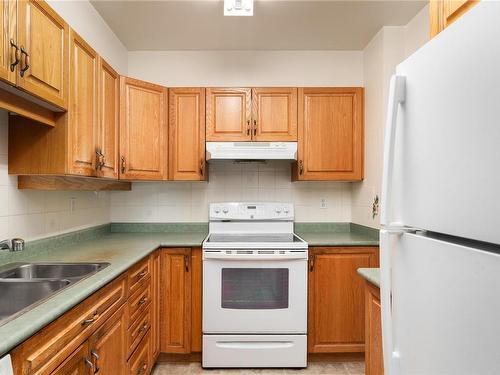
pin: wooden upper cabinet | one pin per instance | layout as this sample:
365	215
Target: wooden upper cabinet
143	130
330	134
336	298
43	35
108	121
8	31
108	347
274	114
187	134
175	310
444	12
228	114
82	124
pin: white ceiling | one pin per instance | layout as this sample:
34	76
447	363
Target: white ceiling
276	24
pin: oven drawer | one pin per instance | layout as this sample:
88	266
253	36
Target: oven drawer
254	351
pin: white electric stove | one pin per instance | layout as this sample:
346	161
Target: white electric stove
254	287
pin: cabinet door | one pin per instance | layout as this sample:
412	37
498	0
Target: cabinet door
373	331
155	306
108	109
444	12
187	134
8	26
143	130
274	114
78	363
82	123
43	34
336	299
228	114
175	330
196	299
330	138
108	349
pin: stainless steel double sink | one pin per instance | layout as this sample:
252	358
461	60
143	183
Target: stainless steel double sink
25	285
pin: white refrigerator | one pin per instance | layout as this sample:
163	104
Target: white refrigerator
440	237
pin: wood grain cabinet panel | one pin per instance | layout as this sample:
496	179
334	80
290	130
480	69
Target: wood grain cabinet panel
228	114
78	363
274	114
143	130
336	298
82	125
374	361
108	122
108	350
175	329
443	13
44	35
196	299
8	31
155	305
187	134
330	134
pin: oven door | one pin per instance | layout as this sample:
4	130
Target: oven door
255	294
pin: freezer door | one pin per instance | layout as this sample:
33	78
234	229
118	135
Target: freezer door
444	316
446	154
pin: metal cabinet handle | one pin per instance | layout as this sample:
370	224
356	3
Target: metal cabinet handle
301	167
140	275
143	328
88	321
99	162
26	61
16	55
186	262
123	164
96	356
202	167
311	263
89	363
254	127
142	301
248	127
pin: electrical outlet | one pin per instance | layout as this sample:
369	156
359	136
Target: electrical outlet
72	204
375	207
323	203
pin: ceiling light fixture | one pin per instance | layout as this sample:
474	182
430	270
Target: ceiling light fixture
238	7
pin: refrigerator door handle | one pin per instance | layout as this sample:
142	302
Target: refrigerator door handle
390	355
397	94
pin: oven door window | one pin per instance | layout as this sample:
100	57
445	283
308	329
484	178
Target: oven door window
254	288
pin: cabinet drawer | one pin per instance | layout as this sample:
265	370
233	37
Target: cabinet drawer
138	303
44	351
140	362
138	330
139	275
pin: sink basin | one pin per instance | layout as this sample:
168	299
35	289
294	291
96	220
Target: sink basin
24	285
17	295
51	270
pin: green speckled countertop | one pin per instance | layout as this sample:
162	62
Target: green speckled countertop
371	274
337	234
121	250
122	245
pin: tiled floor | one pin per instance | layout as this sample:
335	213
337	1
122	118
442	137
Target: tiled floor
325	368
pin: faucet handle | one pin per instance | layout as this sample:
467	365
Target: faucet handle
17	244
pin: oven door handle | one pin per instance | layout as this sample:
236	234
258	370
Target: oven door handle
254	344
258	257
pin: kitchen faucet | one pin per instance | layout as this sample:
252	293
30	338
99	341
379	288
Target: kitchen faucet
15	244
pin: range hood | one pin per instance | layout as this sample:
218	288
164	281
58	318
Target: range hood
251	151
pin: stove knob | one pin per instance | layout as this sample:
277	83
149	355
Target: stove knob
217	210
286	211
278	210
225	210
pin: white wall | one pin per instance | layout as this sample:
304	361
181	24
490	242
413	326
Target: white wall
385	51
184	201
32	214
248	68
87	22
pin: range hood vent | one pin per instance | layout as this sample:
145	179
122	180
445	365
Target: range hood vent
246	151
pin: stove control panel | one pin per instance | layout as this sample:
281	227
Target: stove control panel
260	211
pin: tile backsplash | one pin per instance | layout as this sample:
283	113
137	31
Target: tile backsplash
228	181
33	214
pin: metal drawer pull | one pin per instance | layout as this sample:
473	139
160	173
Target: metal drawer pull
88	321
143	328
26	62
17	57
96	356
142	301
140	275
142	369
89	363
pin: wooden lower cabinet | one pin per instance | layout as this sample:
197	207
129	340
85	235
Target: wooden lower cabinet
374	361
155	305
180	300
336	298
78	363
